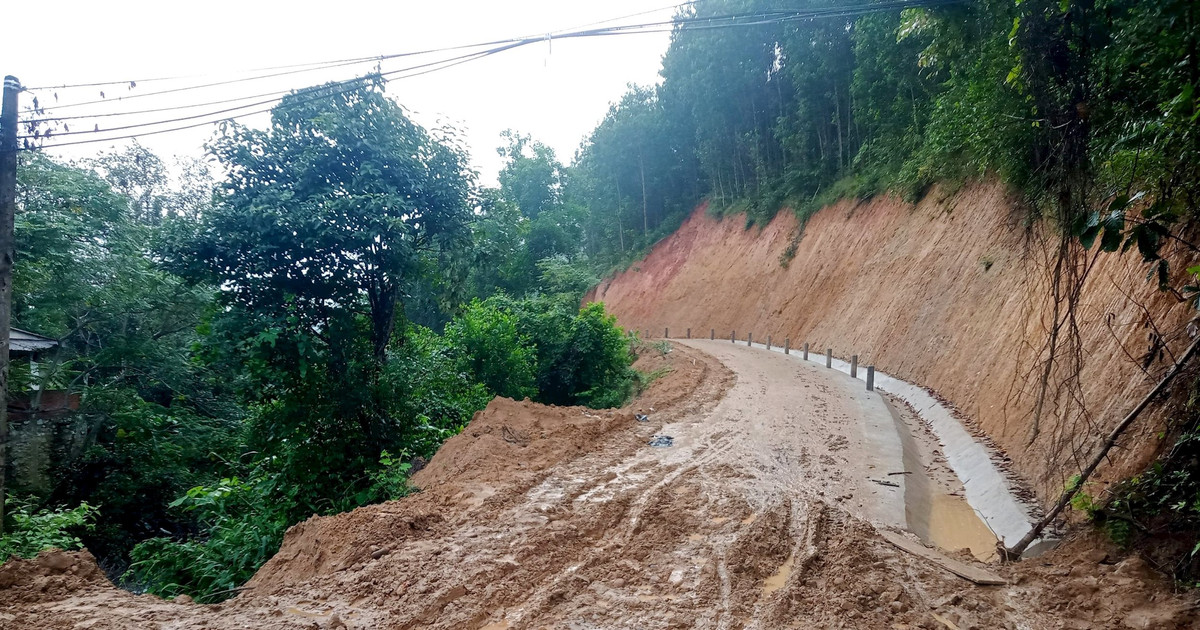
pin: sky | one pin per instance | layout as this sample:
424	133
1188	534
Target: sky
556	91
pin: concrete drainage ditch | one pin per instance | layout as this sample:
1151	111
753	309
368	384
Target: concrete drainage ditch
987	510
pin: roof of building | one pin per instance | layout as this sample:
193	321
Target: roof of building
25	341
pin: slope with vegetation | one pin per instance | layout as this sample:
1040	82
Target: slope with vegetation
1079	105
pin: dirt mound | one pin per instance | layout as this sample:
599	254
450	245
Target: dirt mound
505	449
511	437
52	573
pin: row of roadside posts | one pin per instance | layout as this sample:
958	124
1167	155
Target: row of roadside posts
787	349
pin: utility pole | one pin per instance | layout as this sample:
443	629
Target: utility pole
8	211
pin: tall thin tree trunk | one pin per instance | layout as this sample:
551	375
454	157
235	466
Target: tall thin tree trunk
620	230
383	321
837	109
645	210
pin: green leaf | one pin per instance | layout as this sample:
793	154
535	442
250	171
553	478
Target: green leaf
1111	240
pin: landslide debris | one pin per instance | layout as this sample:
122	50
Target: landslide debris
542	517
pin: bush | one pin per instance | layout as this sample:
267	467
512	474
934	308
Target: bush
599	352
145	455
429	385
244	524
490	347
583	358
33	529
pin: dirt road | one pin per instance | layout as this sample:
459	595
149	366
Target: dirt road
762	512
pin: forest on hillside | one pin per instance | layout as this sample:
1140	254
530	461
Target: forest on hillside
1079	104
299	320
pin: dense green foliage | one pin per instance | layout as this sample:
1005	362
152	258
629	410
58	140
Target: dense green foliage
34	529
1075	102
258	349
581	357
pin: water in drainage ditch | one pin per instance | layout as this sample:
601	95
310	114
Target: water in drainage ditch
937	516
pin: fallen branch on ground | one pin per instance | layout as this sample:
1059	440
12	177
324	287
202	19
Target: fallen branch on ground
1014	553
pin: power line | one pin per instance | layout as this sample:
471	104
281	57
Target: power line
626	17
135	82
694	23
259	77
310	67
448	62
352	60
357	85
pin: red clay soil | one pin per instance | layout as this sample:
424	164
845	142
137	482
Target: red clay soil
541	517
948	294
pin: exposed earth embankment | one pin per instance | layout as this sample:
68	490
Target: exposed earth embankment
950	293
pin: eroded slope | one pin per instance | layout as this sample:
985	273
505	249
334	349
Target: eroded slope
949	294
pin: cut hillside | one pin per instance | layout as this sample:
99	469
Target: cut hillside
949	293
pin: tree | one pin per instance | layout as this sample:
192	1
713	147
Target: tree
328	222
532	175
335	206
127	328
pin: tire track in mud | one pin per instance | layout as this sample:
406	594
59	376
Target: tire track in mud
634	497
711	450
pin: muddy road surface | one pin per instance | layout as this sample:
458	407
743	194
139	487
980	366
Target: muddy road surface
762	506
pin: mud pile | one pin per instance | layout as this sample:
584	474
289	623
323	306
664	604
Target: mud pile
504	450
948	294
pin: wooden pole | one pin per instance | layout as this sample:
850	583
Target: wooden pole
8	210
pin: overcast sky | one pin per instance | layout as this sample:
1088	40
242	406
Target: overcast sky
555	91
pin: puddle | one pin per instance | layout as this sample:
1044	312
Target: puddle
953	524
303	613
750	519
776	582
499	625
695	537
938	518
